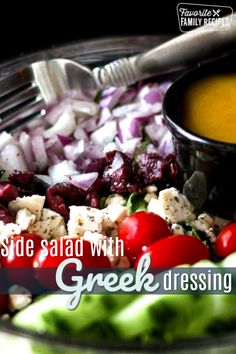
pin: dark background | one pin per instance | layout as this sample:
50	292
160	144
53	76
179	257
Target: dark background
38	25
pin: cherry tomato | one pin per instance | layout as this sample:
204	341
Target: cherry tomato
20	251
140	230
226	241
17	256
47	260
175	250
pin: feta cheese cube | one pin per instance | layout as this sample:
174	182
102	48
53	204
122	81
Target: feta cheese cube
50	225
83	219
149	196
115	199
151	188
34	204
177	229
113	215
24	218
7	230
172	206
95	237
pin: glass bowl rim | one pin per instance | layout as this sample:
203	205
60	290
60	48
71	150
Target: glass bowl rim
123	43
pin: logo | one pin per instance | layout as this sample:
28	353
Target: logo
191	16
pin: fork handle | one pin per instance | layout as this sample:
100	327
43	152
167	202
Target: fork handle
181	52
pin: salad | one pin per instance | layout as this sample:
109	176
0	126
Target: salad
101	171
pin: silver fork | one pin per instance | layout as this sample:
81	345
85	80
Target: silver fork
25	94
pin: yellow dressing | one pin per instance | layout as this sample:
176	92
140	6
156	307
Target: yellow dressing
210	107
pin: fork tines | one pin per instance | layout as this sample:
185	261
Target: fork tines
20	99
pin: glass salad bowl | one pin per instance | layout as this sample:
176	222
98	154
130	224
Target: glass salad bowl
12	339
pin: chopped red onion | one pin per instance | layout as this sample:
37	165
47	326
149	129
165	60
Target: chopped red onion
64	139
80	134
12	158
82	131
128	96
37	130
105	116
46	179
134	128
53	158
149	109
25	143
54	149
166	146
5	139
82	162
108	91
55	111
93	151
155	132
151	148
60	171
141	111
124	133
128	128
110	147
164	86
111	100
84	180
159	119
130	146
65	125
70	105
145	89
153	96
84	107
89	125
105	134
122	111
55	144
74	150
144	119
39	152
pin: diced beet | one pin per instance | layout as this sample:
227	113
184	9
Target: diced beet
61	195
153	167
118	179
57	204
96	165
98	186
5	215
133	187
124	178
93	200
22	179
27	183
8	192
95	191
110	156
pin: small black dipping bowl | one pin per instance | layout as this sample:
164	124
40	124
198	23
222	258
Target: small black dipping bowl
208	167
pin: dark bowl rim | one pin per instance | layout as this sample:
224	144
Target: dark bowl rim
180	84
